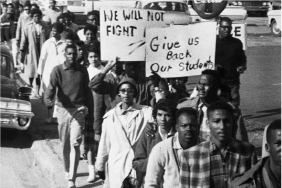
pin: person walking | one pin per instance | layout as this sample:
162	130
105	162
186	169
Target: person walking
122	127
35	33
70	80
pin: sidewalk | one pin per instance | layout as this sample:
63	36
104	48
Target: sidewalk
47	150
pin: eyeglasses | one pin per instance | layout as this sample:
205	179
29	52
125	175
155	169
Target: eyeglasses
226	27
26	9
129	91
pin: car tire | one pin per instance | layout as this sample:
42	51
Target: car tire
274	29
9	134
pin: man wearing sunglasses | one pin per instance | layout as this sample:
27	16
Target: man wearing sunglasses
230	59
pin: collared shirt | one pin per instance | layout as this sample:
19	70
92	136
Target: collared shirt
37	28
72	86
219	166
123	115
169	134
204	129
177	147
93	71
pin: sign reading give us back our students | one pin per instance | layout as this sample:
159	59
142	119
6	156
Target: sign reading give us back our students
180	51
123	32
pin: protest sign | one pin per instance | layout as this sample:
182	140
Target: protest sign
239	31
180	51
123	32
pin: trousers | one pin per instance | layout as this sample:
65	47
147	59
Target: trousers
70	128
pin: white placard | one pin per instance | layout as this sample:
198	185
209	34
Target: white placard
123	32
180	51
239	31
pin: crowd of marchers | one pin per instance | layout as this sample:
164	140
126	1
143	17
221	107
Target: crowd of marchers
136	131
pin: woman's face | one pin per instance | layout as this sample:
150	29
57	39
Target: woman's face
126	93
36	18
4	10
89	35
94	59
163	118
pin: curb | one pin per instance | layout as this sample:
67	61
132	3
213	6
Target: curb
49	162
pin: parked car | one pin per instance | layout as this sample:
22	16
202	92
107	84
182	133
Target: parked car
235	13
176	11
15	107
274	21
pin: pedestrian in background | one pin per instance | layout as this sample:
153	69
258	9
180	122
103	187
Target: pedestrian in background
4	9
92	19
49	52
230	59
70	80
35	33
52	13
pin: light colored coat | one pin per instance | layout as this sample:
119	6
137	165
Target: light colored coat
29	45
114	146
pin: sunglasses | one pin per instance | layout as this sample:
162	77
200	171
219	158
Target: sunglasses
129	91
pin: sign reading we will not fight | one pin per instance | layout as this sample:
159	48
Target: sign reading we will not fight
180	51
123	32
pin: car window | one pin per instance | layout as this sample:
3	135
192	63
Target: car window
6	67
167	6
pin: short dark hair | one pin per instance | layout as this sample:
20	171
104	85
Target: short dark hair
220	106
95	47
66	15
226	19
167	106
27	4
79	43
59	26
214	74
71	46
4	4
186	110
275	125
92	13
35	11
70	36
90	27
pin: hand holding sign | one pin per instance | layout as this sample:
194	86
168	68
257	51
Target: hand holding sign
110	65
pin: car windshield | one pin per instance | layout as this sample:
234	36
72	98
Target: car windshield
167	6
6	68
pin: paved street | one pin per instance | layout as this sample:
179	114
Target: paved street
34	158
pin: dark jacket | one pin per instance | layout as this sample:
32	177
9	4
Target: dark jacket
142	151
229	55
252	178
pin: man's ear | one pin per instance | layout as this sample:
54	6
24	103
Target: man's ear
267	147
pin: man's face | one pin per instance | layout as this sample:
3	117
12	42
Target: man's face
221	124
187	127
67	21
130	68
206	86
92	20
36	18
89	35
27	10
224	29
10	8
70	55
163	118
94	58
274	146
